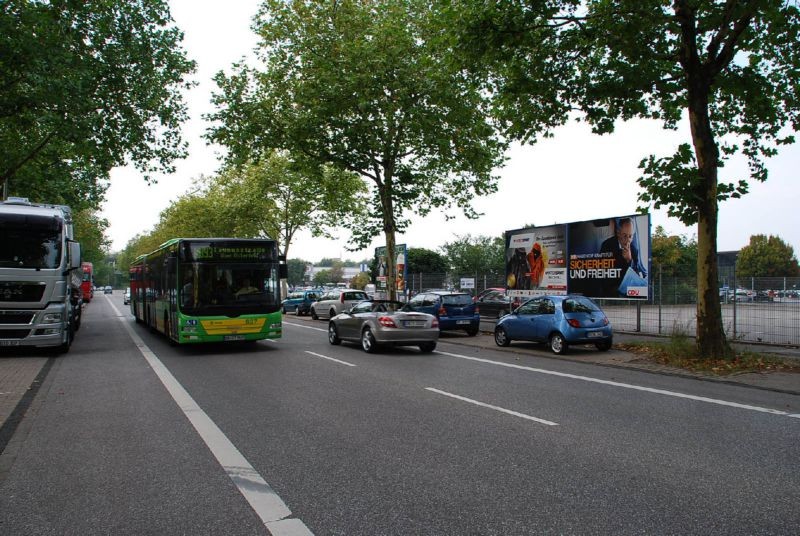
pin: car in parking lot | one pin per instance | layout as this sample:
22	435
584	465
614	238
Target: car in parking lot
335	301
377	323
455	310
494	303
558	321
126	298
300	301
108	289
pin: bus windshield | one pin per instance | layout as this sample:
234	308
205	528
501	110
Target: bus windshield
228	289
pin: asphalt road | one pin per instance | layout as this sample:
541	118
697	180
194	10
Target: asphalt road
331	440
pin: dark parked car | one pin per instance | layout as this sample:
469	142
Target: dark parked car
558	321
494	303
300	301
455	310
382	322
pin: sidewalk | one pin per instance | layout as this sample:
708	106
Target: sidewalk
784	382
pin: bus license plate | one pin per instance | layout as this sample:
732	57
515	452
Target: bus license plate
233	338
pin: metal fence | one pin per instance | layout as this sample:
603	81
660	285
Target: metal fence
754	309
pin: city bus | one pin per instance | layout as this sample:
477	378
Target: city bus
196	290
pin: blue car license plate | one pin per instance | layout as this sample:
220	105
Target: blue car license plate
594	334
463	322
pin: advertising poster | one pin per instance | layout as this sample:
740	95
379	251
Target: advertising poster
610	258
536	261
400	267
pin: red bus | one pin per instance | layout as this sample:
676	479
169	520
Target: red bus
87	288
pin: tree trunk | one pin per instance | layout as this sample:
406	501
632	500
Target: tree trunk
389	229
711	342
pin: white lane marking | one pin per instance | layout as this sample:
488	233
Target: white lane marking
626	386
260	495
306	327
496	408
331	359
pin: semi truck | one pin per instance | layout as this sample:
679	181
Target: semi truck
40	276
87	284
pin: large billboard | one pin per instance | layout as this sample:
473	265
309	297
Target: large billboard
610	257
604	258
536	261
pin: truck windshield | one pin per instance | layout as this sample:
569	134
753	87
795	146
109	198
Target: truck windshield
30	242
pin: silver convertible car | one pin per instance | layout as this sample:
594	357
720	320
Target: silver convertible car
382	322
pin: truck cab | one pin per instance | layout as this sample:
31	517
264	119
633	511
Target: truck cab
40	276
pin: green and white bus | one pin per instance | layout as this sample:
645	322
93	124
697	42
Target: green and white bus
196	290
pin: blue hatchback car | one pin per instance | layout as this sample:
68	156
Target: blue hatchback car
558	321
300	301
455	310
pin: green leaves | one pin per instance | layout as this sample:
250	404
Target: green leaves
87	86
364	88
767	256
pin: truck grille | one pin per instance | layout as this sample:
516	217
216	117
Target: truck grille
21	291
16	317
14	333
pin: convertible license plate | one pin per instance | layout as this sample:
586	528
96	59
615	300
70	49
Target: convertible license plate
233	338
594	334
463	322
9	343
415	323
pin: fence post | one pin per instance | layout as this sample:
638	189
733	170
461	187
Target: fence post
734	300
660	286
638	316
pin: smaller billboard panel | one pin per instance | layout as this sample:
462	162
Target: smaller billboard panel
401	267
536	261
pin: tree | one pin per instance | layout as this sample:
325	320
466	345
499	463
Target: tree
730	68
323	277
363	87
87	86
360	281
675	255
90	231
297	271
277	196
475	255
767	256
421	260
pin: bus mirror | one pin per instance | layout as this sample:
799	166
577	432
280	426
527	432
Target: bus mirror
283	271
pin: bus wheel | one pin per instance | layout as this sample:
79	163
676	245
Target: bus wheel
168	331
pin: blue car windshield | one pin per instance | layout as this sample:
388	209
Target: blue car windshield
580	305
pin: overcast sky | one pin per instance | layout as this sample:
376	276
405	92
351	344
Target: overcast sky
572	177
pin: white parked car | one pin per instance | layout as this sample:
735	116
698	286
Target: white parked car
335	301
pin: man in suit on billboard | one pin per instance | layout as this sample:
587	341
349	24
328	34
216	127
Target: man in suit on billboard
625	252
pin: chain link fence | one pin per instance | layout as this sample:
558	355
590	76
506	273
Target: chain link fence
754	309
